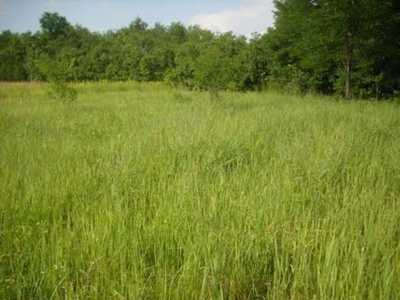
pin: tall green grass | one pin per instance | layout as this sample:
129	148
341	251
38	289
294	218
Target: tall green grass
142	192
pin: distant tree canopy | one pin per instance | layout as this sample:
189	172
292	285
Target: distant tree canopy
343	47
54	25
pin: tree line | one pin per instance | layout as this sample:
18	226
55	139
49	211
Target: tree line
335	47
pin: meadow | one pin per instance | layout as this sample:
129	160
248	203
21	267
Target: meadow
141	191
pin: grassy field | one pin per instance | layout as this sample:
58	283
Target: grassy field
144	192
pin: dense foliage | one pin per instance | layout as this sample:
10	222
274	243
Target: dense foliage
334	46
319	46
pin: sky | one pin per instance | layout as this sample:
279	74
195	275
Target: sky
240	16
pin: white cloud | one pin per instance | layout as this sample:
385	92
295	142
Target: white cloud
106	4
51	2
250	16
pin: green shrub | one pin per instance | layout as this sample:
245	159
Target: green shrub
62	91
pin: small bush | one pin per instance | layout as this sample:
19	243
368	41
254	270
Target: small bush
58	74
63	92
